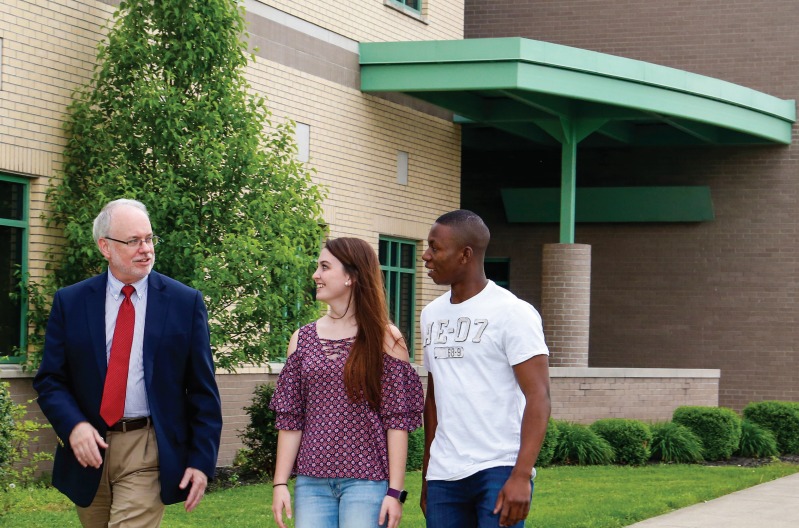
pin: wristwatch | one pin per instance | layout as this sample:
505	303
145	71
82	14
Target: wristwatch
400	495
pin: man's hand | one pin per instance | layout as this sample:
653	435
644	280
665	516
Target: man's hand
513	502
198	481
86	443
391	508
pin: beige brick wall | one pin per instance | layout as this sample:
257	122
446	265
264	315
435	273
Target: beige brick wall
48	51
236	391
378	21
354	142
566	302
353	149
585	395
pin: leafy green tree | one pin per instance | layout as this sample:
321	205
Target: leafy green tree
170	120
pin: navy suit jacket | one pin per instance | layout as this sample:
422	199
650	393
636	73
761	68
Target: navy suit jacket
178	375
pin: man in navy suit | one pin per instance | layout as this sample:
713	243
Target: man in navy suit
163	448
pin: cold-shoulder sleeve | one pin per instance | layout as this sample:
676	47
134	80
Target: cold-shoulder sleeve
287	401
402	397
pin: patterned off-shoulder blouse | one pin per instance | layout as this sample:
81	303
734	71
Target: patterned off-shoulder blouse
341	439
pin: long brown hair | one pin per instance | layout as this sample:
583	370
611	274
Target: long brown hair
363	369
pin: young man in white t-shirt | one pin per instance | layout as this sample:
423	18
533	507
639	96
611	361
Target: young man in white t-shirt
486	415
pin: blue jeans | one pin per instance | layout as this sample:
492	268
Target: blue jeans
337	502
469	502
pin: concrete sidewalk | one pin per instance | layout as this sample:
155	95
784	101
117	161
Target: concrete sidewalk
774	504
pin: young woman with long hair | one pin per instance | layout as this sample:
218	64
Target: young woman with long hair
345	401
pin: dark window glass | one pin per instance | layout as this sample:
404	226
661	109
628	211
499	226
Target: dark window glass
498	270
12	243
11	197
398	262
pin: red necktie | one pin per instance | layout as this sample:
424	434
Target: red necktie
116	380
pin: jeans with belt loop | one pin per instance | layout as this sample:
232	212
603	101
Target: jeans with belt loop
338	502
468	502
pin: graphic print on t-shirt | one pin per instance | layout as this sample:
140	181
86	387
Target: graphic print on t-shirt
450	336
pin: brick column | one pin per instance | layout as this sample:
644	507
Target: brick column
566	302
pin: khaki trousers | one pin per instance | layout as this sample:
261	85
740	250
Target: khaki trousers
129	492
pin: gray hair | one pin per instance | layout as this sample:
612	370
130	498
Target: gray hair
103	221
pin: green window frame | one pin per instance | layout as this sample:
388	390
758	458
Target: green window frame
14	233
412	5
398	263
498	270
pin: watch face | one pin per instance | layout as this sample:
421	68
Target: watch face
403	496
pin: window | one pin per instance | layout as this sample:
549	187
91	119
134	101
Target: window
14	238
411	8
302	134
398	262
416	5
402	167
498	270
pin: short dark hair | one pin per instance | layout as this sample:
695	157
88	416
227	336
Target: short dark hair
469	228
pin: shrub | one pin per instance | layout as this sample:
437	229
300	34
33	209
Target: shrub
779	417
719	428
260	435
578	444
756	441
672	442
415	450
17	464
6	428
630	439
547	453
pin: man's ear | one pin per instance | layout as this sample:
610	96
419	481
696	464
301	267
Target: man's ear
102	245
466	254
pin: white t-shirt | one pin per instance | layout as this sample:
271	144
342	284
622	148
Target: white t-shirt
470	349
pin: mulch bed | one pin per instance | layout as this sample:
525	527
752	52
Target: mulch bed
752	462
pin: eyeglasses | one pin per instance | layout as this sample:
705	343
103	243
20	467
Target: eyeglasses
136	242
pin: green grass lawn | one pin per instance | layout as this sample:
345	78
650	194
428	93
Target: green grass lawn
565	497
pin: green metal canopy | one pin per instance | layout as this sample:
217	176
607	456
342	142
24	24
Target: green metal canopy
537	89
554	95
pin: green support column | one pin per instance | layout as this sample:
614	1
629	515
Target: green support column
568	186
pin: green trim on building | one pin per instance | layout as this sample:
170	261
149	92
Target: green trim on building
525	86
398	263
551	95
611	204
21	222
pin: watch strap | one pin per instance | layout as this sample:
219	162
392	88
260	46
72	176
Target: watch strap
400	495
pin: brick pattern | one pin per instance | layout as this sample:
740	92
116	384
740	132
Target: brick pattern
585	400
377	21
565	302
733	40
49	49
354	137
236	391
721	294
